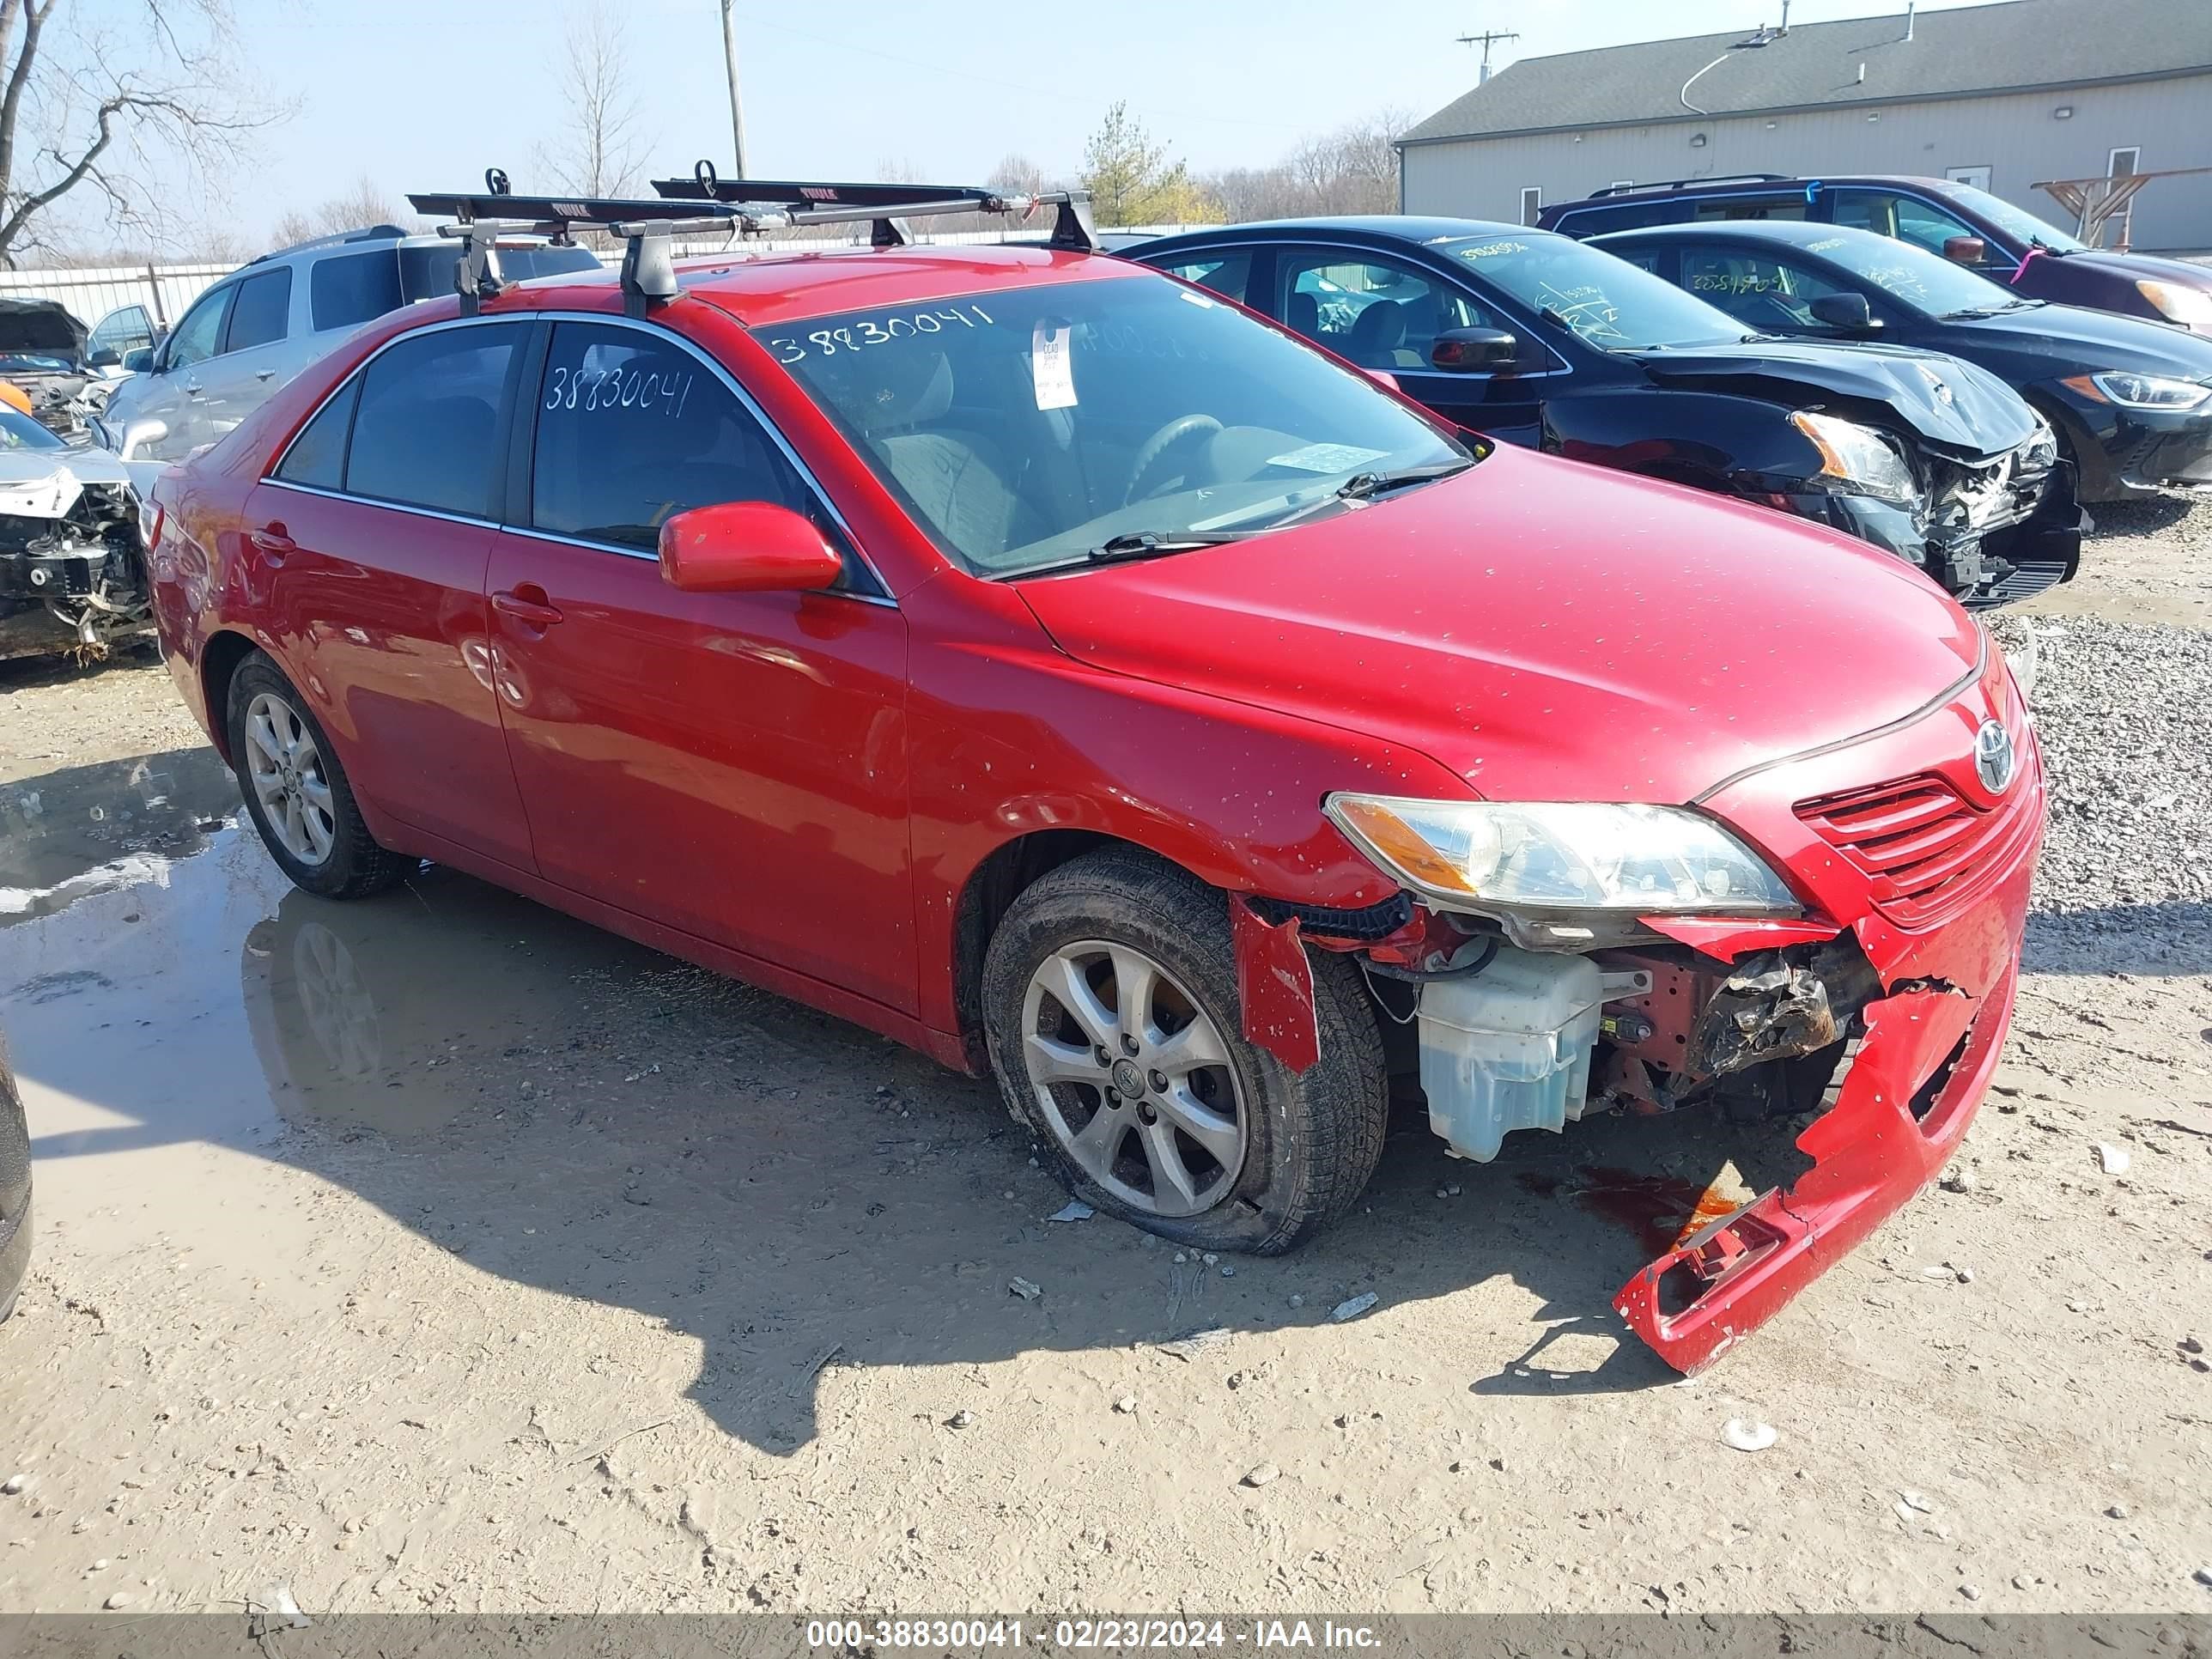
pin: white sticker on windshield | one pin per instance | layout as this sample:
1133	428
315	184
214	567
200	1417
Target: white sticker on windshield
1327	458
1051	366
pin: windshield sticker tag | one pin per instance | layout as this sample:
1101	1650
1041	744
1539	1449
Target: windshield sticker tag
1051	366
1327	458
1491	249
1195	298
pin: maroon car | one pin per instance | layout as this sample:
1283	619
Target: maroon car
1957	221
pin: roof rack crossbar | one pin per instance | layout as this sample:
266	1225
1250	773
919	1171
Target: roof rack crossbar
883	205
703	203
1686	184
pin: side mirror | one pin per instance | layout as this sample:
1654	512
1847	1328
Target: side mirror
140	361
745	547
106	357
1965	250
1475	350
1847	314
139	437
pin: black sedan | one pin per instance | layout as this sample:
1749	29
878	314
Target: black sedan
1540	340
15	1189
2131	400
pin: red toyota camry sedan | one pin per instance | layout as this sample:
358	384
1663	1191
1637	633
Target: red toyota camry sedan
1061	669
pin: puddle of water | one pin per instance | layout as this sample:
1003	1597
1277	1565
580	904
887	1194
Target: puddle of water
85	828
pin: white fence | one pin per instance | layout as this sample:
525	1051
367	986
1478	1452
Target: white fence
91	292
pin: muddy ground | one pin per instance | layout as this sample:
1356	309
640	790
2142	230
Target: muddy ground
441	1252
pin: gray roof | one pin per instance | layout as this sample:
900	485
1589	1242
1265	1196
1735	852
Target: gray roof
1956	53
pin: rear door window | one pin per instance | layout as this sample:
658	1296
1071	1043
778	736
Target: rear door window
263	311
426	432
1370	310
633	429
346	289
1722	207
317	455
426	270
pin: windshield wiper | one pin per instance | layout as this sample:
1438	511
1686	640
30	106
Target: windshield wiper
1144	544
1975	313
1362	485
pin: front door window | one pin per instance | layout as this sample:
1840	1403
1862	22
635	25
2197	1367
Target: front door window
1372	312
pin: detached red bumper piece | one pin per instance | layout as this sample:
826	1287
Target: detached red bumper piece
1942	895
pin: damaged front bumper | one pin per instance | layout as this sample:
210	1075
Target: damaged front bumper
1985	539
1941	938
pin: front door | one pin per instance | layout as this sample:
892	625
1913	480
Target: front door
174	390
239	378
381	513
1384	314
732	765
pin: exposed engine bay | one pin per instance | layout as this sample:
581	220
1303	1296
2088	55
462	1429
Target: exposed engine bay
72	570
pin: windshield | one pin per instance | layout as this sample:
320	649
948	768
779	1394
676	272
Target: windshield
20	431
2013	221
1926	283
1028	427
1606	302
37	362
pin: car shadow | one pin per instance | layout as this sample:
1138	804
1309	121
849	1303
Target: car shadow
580	1114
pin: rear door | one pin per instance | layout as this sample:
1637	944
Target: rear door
374	531
732	765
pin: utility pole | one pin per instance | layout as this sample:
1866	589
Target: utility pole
736	104
1485	39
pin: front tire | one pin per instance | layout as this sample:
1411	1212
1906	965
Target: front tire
296	792
1111	1016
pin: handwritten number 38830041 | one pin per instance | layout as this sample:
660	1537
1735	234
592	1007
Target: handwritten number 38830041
644	391
870	330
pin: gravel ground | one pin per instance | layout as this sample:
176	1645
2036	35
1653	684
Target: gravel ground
439	1252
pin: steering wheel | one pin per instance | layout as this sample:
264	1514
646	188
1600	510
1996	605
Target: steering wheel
1184	429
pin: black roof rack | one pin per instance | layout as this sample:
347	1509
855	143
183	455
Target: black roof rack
1686	184
703	203
808	203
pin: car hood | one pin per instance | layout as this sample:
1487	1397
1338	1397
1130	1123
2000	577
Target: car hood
2074	340
1952	405
45	483
1549	631
43	327
2134	267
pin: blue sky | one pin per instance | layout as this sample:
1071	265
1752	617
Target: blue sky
425	93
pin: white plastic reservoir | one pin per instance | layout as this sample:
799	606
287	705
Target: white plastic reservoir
1508	1047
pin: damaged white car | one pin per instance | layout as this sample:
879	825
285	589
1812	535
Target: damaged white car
71	570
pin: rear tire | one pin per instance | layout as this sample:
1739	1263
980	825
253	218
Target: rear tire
297	792
1141	954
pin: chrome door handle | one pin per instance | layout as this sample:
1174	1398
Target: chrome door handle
263	374
192	387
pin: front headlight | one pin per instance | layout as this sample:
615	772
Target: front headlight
1553	856
1858	456
2132	391
2189	306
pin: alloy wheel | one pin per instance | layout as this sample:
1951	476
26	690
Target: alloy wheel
285	769
1134	1079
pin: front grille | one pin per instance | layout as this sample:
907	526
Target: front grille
1926	851
2029	577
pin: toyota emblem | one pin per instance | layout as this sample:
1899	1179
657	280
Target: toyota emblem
1994	759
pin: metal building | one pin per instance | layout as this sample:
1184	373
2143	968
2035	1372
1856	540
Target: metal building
2003	96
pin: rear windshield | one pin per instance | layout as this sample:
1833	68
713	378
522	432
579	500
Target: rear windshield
1605	302
348	289
428	271
1025	427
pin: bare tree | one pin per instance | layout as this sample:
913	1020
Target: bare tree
121	100
1353	169
601	150
361	206
1017	175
